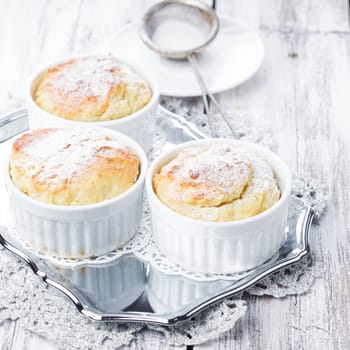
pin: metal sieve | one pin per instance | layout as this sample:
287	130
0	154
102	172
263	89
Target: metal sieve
180	29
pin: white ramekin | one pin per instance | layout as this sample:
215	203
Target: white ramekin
110	287
83	230
139	125
220	247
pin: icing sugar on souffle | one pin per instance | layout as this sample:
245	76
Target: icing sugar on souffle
72	166
92	88
217	183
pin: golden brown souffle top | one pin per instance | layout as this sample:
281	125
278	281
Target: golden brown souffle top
92	88
77	166
217	183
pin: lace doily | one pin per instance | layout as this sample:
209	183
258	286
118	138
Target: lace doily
222	316
40	309
43	310
240	123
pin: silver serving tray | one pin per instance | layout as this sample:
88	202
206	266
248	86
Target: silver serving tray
130	290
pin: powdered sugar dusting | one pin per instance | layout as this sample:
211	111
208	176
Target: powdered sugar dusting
60	155
90	77
214	175
218	168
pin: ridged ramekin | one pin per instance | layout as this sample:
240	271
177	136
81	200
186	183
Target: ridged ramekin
110	287
83	230
139	125
220	247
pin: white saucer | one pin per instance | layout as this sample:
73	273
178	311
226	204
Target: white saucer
232	58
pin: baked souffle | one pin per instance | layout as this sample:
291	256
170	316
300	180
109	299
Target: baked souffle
71	167
217	183
92	88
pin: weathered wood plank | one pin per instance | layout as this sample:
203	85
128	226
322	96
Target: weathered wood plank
37	342
13	337
20	338
301	93
305	101
7	329
290	15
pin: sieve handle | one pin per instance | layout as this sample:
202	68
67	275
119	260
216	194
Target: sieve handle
206	94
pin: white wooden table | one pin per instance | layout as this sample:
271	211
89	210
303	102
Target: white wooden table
302	92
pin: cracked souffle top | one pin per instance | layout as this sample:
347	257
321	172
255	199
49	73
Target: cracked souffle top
69	167
92	88
217	183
